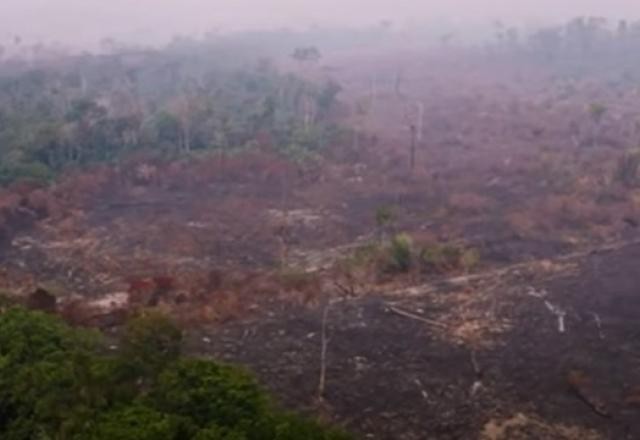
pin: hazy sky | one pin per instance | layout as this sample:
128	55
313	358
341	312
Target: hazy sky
81	21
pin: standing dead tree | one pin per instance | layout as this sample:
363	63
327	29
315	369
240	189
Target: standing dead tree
397	83
414	119
324	344
597	112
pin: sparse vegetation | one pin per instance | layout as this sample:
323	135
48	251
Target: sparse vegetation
446	257
597	111
384	219
400	253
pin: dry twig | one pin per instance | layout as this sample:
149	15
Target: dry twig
416	317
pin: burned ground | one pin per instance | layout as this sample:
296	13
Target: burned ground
392	376
244	248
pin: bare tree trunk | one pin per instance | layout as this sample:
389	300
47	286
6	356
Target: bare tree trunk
324	343
187	137
285	185
83	85
397	83
420	121
308	117
412	148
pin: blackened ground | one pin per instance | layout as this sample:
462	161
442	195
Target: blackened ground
393	377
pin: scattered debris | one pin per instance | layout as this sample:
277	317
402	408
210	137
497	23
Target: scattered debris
477	383
554	309
560	314
541	294
598	322
423	392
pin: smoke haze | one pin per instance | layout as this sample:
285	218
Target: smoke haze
81	22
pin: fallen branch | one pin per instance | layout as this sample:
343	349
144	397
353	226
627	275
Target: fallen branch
476	366
416	317
349	291
560	314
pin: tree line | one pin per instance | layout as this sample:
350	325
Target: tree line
174	101
582	43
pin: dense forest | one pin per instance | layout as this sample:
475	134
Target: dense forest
211	95
581	46
181	100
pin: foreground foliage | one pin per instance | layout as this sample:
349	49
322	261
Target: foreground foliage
61	383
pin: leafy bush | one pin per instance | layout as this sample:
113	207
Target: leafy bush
138	422
57	382
208	392
400	256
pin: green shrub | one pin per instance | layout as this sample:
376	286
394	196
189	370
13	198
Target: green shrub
216	433
294	427
400	256
208	392
137	422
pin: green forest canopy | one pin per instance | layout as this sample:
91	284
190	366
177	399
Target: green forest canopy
173	101
61	383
